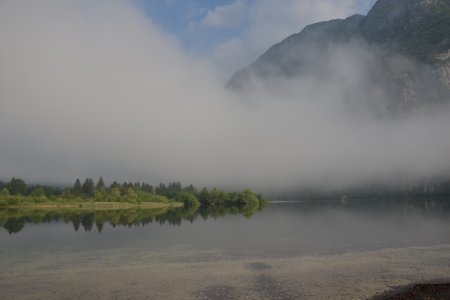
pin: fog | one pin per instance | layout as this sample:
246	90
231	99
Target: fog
93	88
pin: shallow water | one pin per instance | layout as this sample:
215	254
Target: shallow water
286	251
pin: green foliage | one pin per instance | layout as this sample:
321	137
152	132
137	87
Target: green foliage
100	185
170	191
432	36
38	192
115	194
248	197
76	190
14	220
17	186
100	195
67	193
5	193
188	199
13	200
147	188
203	196
87	189
135	193
147	197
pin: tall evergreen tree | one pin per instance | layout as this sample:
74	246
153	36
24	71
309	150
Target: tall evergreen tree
115	184
87	189
76	191
147	188
101	185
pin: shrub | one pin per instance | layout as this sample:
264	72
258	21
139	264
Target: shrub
13	201
188	199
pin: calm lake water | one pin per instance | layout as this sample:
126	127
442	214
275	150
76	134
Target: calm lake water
35	242
279	229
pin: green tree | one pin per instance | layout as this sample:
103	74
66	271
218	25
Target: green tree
87	189
249	197
204	196
132	195
223	197
76	190
147	188
67	193
38	195
4	195
100	196
115	194
115	184
4	192
213	195
100	185
38	192
188	199
17	187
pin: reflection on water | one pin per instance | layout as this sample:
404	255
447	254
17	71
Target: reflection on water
279	229
328	250
14	220
403	206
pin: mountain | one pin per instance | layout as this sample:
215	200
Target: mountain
402	50
418	28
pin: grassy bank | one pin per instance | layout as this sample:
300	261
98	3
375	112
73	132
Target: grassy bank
96	205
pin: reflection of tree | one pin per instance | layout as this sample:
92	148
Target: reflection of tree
76	222
219	210
87	220
99	225
13	220
14	225
404	206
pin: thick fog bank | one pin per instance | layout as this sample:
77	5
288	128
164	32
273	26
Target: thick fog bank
94	89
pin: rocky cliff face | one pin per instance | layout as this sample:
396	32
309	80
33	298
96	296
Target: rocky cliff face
417	28
407	43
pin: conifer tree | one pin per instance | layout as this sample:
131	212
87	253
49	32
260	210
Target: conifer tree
76	191
100	185
87	189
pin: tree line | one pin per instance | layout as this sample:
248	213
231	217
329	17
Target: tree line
17	192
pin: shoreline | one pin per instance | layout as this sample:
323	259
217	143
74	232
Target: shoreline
436	289
96	205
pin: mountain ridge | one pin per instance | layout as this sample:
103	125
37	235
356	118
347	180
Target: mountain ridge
410	39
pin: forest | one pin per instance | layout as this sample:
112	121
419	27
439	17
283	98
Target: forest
16	193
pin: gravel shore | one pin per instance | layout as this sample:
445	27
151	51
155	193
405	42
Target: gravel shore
184	274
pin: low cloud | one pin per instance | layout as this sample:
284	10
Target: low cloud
271	21
89	88
226	16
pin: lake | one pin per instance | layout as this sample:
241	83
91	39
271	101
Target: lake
289	250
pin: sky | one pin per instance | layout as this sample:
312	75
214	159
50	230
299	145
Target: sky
117	89
232	33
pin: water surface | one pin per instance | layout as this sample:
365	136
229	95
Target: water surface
288	248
